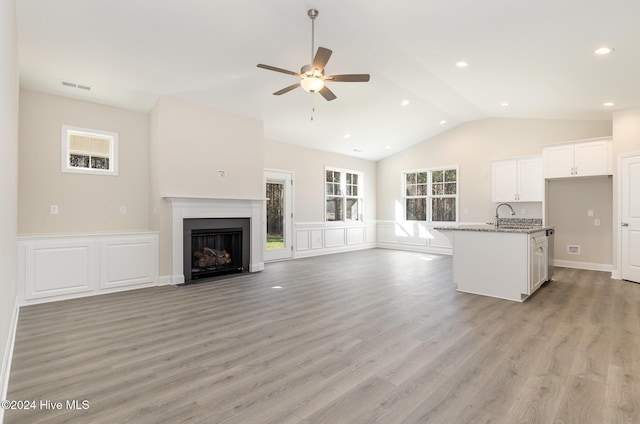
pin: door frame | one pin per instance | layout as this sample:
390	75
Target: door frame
287	252
619	218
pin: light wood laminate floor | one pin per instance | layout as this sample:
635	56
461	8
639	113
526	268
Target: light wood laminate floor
376	336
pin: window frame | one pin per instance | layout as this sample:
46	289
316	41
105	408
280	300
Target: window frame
343	195
429	196
68	130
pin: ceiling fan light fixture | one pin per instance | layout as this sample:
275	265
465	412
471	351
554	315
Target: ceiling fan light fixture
312	84
604	50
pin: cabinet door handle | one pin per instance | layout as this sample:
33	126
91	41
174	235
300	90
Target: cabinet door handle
625	224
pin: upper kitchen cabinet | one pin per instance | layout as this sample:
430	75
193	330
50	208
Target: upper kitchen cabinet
578	159
518	180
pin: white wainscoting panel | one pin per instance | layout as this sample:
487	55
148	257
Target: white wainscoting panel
63	267
128	261
302	239
320	238
414	236
56	268
334	237
355	235
317	239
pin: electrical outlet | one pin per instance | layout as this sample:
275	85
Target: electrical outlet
53	209
596	222
573	249
222	174
123	209
589	212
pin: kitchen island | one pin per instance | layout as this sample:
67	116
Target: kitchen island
503	262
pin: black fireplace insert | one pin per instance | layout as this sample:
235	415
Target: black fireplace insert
214	247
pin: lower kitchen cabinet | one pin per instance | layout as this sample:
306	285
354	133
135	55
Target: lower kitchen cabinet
504	263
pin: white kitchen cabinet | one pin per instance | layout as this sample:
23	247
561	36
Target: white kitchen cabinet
538	260
504	263
580	159
518	180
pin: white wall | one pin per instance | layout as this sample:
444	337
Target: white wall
189	144
8	182
626	139
308	166
472	146
311	234
569	201
86	203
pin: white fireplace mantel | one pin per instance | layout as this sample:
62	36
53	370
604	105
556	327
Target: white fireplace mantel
185	207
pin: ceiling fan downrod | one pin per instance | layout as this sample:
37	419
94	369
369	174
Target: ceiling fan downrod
313	14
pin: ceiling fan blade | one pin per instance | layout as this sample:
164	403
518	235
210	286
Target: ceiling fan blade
321	59
287	89
348	78
273	68
327	94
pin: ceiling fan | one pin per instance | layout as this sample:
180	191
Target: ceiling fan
312	77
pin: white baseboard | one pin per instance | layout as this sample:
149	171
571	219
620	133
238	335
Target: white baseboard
8	355
332	250
583	265
164	280
415	248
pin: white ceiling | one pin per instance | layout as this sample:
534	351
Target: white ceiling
535	55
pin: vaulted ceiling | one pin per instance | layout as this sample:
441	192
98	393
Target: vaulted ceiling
536	56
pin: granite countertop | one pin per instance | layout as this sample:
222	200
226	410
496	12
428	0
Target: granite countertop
490	228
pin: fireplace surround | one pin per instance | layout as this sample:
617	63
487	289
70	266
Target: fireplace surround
191	207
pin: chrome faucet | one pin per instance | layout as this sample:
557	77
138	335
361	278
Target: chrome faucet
498	207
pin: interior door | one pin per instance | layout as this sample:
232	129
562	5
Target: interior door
630	218
278	216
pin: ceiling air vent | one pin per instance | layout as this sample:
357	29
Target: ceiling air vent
74	85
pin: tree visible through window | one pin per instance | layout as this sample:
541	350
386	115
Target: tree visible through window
89	151
431	195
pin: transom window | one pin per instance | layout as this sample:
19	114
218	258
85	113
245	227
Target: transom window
431	195
343	195
89	151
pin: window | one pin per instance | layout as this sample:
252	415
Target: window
431	195
89	151
343	195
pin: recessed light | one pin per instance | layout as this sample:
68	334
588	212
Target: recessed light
404	102
608	104
443	122
462	64
347	135
604	50
387	147
504	104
